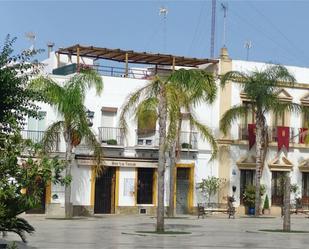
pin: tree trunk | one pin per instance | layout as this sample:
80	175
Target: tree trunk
260	123
171	208
161	164
287	195
68	157
175	149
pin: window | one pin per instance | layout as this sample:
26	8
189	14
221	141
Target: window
144	185
277	184
108	118
249	118
305	120
37	124
247	177
305	188
279	119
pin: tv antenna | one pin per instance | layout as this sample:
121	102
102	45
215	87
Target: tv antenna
213	28
224	7
248	46
31	37
163	12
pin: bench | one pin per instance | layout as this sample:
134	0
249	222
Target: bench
210	208
297	208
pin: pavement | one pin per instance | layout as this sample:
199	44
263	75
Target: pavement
119	231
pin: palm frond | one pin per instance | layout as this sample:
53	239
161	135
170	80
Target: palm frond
235	76
131	105
50	90
206	134
52	136
232	115
199	85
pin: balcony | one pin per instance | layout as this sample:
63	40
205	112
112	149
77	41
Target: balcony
37	137
295	136
188	140
150	139
147	138
110	136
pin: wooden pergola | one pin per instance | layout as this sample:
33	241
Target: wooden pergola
129	56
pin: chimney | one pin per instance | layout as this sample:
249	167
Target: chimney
50	46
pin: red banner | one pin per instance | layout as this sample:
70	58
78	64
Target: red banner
251	134
302	135
283	137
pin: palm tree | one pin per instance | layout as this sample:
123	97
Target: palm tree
193	87
68	101
261	88
160	99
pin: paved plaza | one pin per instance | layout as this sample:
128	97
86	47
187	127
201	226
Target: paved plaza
119	232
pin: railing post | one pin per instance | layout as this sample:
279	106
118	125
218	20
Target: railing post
127	65
77	56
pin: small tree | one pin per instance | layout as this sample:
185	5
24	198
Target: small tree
266	203
22	181
210	186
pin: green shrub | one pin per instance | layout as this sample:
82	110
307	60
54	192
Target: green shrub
111	142
186	146
266	203
249	195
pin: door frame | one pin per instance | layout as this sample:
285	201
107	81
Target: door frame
154	188
114	198
189	166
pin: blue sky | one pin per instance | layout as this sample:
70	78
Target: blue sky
278	29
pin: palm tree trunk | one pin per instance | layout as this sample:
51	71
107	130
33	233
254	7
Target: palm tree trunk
171	208
175	149
161	164
68	157
287	213
259	160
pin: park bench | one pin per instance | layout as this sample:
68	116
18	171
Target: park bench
299	207
210	208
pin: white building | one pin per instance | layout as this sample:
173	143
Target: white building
129	183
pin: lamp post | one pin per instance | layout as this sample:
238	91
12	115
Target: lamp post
90	116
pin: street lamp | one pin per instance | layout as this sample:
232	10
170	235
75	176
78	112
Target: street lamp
90	116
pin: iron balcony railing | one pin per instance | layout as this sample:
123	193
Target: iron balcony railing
188	140
272	131
111	136
37	137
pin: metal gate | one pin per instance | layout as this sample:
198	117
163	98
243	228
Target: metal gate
182	190
104	192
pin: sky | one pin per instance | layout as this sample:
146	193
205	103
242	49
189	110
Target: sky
278	30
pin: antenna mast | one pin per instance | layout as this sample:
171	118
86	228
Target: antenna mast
213	27
224	8
248	46
163	12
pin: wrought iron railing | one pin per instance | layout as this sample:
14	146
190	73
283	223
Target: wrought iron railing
111	136
188	140
272	132
37	137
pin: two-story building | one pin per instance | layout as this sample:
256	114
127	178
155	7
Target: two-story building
129	184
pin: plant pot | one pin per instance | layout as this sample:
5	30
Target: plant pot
251	210
266	211
111	142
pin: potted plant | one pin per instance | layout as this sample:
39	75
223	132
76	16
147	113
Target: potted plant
249	198
266	209
186	146
111	142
